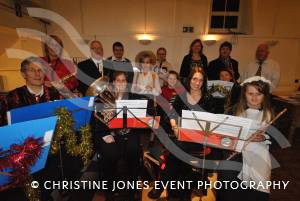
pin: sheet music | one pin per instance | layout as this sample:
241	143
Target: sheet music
233	126
132	104
225	84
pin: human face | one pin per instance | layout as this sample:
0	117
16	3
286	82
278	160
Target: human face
34	75
120	83
161	55
96	50
225	76
253	97
225	52
54	48
147	64
196	81
172	80
262	52
118	52
196	48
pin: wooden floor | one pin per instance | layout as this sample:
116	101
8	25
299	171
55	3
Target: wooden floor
289	170
100	197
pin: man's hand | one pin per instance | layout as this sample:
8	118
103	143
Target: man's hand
48	84
58	84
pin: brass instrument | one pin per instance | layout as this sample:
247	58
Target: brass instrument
104	100
64	79
105	107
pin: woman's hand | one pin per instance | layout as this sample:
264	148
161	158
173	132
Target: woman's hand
175	131
259	137
108	139
148	88
137	88
174	127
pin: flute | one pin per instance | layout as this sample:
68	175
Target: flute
256	133
65	78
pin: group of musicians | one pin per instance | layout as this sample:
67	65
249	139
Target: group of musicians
48	80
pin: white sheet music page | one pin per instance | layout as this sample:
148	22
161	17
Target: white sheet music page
237	127
137	107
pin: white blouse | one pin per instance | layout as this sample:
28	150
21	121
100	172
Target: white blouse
146	83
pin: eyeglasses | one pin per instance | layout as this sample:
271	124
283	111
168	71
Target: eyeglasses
31	70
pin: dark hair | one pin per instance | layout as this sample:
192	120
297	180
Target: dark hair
118	44
161	48
26	62
174	73
229	71
58	40
262	87
204	85
226	44
193	43
118	73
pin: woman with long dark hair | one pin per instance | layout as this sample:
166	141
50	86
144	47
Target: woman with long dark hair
114	144
195	98
195	58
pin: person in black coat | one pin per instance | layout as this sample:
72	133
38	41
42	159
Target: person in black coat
120	63
195	58
224	60
114	144
195	98
91	69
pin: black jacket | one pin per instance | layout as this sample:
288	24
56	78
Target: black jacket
187	65
101	129
214	67
124	66
205	104
234	98
87	73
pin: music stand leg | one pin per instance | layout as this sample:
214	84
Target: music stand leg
61	162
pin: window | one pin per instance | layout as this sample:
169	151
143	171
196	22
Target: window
225	15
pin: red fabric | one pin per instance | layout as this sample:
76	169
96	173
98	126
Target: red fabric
169	93
62	68
164	100
21	97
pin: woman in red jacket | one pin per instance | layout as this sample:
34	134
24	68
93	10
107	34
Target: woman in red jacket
61	72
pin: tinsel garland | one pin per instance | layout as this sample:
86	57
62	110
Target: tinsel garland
33	194
65	130
19	158
221	89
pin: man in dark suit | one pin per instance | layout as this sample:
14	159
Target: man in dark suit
119	63
91	69
224	61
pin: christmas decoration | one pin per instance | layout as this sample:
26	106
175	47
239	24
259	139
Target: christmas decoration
19	158
65	131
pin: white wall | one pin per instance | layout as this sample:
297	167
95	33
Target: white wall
119	20
10	67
